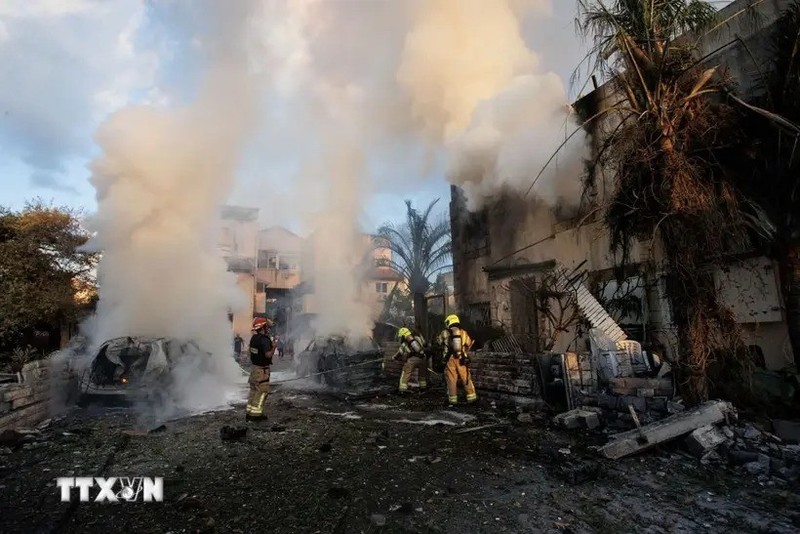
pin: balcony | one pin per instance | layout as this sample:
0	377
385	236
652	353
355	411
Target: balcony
278	278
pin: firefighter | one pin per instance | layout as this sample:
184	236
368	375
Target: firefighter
261	350
412	350
456	343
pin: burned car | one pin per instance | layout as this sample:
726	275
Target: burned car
341	362
129	366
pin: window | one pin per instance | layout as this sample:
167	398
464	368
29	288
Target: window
475	234
270	259
479	314
381	287
266	259
288	262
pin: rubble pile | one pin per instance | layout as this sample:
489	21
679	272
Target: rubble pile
710	433
756	452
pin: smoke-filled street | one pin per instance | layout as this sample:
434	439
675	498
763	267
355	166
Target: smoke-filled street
378	463
445	266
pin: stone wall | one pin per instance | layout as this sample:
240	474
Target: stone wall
26	404
501	376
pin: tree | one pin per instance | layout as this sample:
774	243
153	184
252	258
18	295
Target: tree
420	248
398	307
672	133
45	277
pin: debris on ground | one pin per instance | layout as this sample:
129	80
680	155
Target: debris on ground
583	417
667	429
704	440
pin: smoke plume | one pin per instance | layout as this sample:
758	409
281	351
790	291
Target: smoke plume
160	181
476	88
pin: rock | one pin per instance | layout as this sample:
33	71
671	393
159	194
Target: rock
760	466
751	433
704	439
645	392
5	450
326	447
592	421
525	418
379	520
160	428
578	418
729	433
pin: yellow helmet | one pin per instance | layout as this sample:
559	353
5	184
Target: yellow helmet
403	332
451	320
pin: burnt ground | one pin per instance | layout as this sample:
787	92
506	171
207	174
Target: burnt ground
332	463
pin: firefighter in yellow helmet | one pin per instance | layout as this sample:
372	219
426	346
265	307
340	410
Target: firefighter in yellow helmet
412	351
261	350
456	343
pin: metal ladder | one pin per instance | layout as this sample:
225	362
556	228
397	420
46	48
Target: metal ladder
589	307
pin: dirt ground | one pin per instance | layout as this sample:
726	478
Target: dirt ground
377	463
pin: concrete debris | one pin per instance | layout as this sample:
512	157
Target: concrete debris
760	466
674	407
672	427
751	433
704	440
378	520
584	417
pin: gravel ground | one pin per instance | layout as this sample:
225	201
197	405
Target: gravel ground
380	463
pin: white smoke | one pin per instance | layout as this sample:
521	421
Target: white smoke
160	181
478	89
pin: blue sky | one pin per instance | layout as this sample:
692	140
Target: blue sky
67	64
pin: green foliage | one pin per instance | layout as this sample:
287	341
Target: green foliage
44	276
420	247
398	307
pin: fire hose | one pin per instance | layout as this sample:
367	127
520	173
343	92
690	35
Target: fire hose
326	372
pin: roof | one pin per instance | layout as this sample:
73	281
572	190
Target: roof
385	273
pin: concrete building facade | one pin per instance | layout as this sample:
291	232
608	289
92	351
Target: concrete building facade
506	254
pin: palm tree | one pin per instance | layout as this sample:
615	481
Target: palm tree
670	135
420	248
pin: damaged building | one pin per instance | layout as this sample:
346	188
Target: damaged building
514	257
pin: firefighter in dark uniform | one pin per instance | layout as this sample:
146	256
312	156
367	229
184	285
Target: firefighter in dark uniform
261	350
